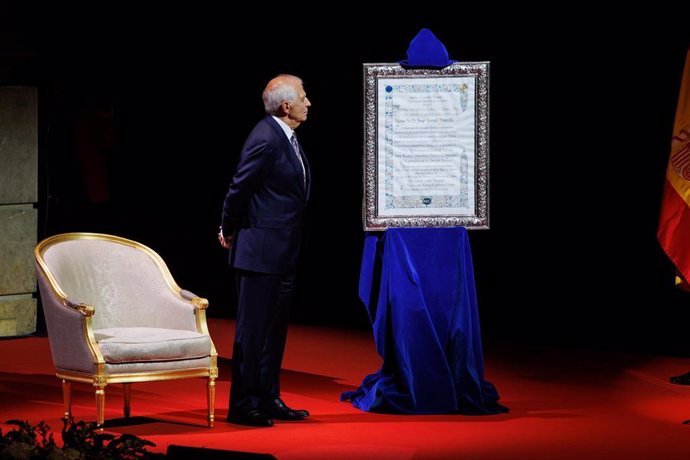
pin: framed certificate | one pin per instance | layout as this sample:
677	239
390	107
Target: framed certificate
426	146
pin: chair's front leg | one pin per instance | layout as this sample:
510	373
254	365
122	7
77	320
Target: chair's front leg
67	399
100	405
211	400
127	390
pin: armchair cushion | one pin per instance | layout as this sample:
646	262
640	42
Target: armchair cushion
149	344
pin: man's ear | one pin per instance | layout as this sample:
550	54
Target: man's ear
285	106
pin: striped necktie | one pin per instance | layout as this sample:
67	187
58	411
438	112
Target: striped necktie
295	145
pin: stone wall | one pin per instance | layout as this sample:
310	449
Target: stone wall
18	213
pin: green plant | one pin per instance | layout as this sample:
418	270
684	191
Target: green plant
81	441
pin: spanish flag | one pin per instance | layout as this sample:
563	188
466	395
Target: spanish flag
674	223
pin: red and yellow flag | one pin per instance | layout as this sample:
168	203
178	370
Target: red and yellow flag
674	223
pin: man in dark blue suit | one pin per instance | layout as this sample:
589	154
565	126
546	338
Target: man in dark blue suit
262	227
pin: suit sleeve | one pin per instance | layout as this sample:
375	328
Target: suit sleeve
255	163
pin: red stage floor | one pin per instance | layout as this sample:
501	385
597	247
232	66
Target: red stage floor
565	404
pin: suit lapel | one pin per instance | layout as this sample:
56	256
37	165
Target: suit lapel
291	155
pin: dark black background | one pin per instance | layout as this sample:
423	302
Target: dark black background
581	115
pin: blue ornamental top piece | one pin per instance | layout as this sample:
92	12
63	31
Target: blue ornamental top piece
426	51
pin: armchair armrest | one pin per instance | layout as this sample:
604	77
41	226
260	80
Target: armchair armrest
70	334
200	302
86	310
201	306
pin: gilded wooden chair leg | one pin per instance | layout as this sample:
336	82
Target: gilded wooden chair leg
100	405
67	399
211	400
127	390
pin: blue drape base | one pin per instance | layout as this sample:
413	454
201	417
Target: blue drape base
418	287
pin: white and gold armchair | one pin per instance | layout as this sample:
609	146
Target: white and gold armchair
115	315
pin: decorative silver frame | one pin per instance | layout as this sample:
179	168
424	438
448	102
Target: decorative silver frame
372	219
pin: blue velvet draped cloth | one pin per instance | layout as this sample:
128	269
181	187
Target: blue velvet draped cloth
418	287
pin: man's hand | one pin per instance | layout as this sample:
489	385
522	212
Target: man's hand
225	241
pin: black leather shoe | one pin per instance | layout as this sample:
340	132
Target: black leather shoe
251	418
278	410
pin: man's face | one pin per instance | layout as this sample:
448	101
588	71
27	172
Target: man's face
299	108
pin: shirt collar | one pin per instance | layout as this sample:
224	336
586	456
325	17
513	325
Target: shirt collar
286	129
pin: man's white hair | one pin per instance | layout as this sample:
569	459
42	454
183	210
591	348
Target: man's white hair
278	90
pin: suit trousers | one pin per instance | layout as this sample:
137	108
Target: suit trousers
260	333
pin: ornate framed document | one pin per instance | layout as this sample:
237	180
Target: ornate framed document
426	152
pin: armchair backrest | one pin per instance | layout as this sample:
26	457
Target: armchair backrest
123	279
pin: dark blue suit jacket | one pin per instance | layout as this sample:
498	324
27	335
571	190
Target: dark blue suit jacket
265	204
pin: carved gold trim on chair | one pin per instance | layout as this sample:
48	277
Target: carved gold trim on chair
98	361
86	310
100	380
138	376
